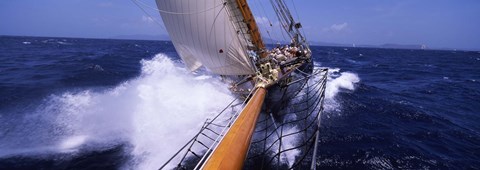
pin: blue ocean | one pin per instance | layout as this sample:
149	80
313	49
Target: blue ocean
70	103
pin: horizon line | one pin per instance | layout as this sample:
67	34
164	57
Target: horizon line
312	43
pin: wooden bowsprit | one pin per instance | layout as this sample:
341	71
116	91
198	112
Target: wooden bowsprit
233	148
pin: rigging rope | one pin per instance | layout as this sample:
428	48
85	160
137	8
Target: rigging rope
281	18
270	135
298	18
270	25
150	16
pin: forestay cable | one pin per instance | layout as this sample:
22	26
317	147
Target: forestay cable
150	16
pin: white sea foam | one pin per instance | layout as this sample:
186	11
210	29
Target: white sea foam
290	142
72	143
63	43
340	80
173	106
156	113
336	82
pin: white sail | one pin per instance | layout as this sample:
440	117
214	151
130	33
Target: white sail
204	34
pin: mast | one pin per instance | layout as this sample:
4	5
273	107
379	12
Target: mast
251	24
245	23
232	150
221	35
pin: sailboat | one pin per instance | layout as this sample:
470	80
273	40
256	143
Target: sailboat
278	88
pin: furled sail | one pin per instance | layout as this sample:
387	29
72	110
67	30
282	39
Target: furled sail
203	33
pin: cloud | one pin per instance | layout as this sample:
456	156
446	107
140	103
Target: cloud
262	20
339	27
147	19
336	27
265	23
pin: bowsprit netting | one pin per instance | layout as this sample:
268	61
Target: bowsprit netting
283	141
287	141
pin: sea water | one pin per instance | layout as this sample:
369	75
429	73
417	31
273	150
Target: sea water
70	103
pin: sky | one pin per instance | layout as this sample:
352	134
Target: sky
435	23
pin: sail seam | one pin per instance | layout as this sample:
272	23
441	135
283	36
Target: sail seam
177	13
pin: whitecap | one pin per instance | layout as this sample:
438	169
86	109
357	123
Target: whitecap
155	114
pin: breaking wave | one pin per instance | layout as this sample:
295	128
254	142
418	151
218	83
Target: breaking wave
337	82
155	114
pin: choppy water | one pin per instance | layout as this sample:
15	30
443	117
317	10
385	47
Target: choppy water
114	104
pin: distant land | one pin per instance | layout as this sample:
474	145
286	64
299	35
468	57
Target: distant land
392	46
314	43
387	45
272	41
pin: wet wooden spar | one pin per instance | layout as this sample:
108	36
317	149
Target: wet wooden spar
232	150
256	38
219	35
